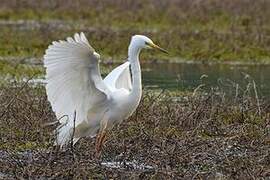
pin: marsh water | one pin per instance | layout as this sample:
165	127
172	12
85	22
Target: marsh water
188	76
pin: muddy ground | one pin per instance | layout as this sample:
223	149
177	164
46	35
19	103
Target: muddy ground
203	135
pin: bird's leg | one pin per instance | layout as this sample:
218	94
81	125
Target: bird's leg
101	138
99	143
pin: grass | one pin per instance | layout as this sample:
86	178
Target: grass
18	71
204	135
190	30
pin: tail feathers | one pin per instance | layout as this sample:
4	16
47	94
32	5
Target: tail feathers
64	136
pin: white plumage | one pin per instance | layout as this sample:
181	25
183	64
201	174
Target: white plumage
119	77
74	84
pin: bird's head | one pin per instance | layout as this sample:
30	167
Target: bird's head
143	42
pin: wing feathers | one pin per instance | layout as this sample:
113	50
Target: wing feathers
120	77
73	80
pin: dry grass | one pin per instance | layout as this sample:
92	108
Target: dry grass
204	135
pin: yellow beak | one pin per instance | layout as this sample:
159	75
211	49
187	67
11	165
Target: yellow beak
154	46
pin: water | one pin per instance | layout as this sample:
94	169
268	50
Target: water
188	76
183	76
127	165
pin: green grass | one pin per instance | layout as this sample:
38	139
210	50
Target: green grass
17	71
206	31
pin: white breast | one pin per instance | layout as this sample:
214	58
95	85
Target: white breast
122	106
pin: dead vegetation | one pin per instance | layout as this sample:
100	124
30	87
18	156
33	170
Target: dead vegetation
207	134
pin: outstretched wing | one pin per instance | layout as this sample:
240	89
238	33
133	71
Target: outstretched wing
120	77
73	81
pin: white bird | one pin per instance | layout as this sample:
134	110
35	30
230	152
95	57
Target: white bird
84	103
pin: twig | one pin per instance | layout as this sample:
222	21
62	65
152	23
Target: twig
73	132
15	96
256	96
197	89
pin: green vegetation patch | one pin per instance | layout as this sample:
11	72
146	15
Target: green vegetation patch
17	70
206	30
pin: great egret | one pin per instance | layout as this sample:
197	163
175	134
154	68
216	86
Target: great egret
75	86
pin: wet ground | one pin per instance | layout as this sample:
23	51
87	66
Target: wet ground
201	135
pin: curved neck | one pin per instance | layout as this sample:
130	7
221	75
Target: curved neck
133	57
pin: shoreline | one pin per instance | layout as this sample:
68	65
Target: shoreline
108	61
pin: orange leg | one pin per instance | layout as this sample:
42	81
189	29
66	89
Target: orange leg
100	140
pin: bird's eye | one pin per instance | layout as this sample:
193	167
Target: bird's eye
146	43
